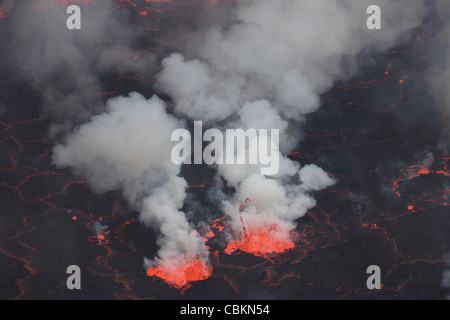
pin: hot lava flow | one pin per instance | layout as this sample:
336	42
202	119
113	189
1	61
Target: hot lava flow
262	241
182	275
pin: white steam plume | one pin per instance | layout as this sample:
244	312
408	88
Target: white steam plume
127	147
268	70
68	64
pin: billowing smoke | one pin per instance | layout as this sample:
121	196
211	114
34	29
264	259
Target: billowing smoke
265	70
127	148
268	70
440	77
68	63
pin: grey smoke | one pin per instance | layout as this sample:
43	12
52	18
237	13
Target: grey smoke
68	63
440	77
288	52
127	148
266	70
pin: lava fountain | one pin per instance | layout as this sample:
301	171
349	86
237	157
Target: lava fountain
262	241
182	275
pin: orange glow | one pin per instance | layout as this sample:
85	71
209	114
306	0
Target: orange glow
412	172
262	242
181	276
218	224
424	171
74	218
372	226
445	173
410	207
209	234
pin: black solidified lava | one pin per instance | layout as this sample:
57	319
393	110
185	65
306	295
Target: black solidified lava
372	133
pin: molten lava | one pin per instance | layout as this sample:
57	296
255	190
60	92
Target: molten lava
181	276
263	242
210	234
424	171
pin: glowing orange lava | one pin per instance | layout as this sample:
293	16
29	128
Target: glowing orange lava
210	234
424	171
181	276
262	242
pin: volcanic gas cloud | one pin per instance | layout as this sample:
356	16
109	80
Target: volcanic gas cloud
264	69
